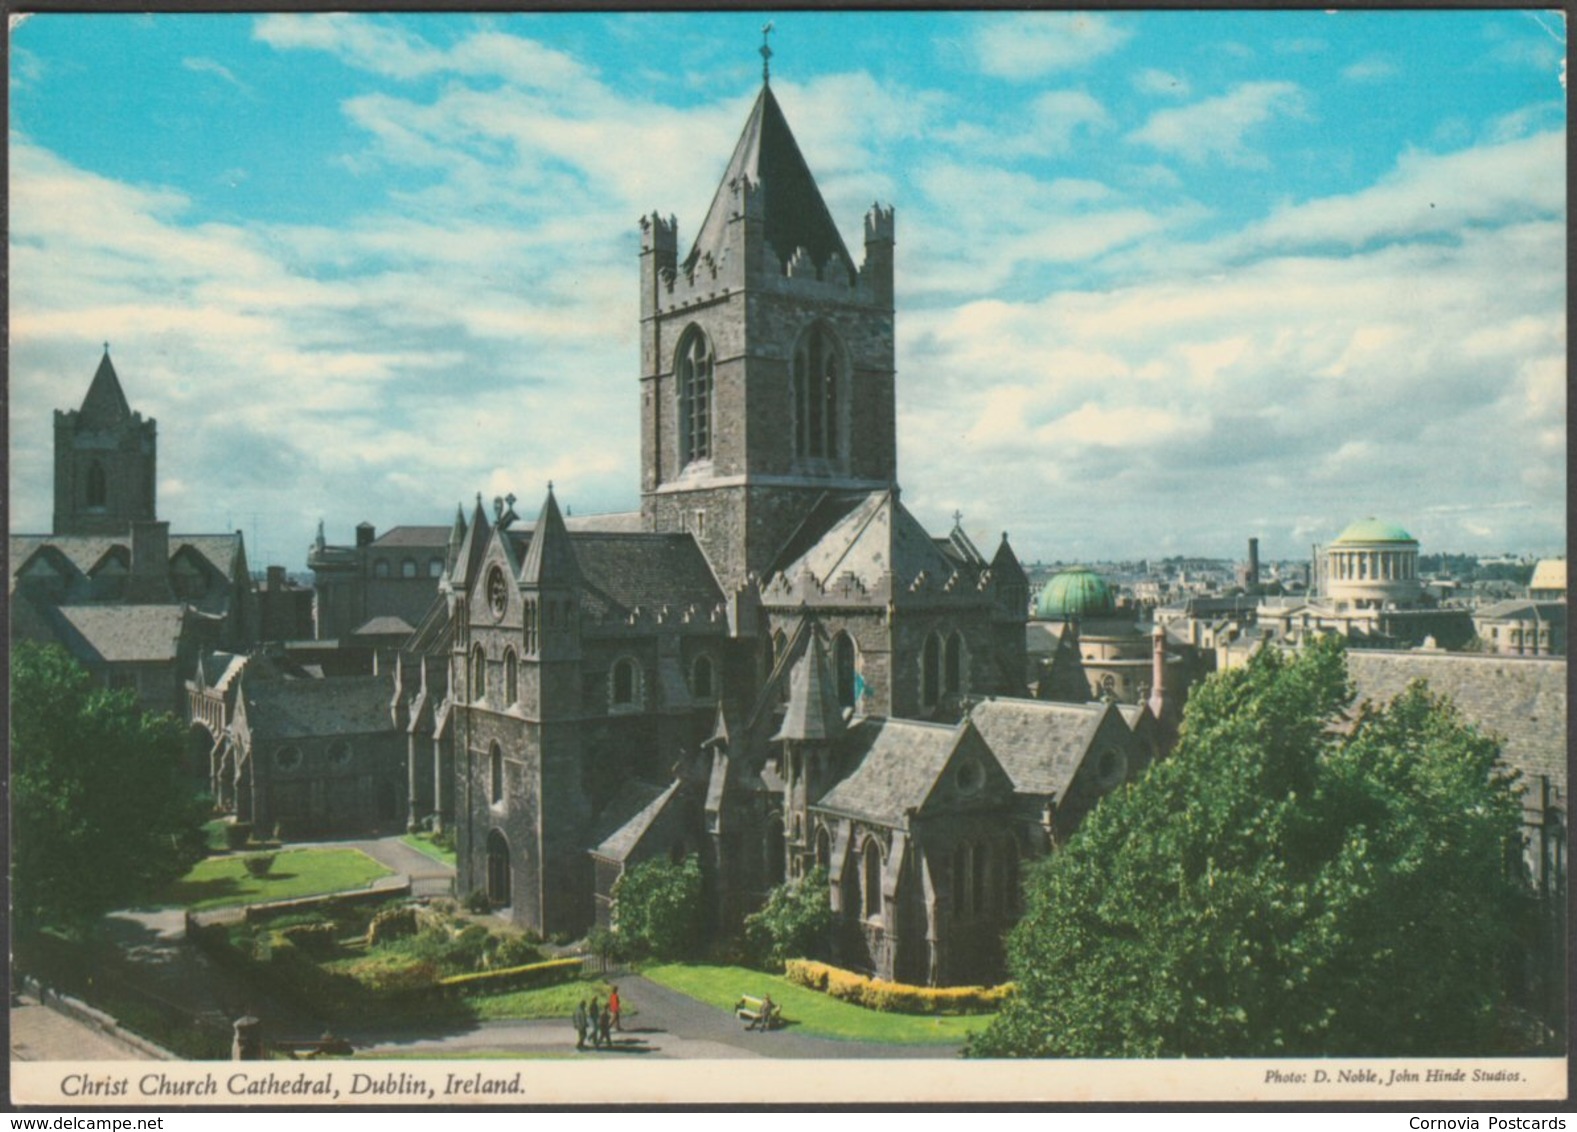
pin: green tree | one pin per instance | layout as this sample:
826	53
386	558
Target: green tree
657	908
1282	885
795	923
102	815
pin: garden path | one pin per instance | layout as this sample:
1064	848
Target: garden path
664	1024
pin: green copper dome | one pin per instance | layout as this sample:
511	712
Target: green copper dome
1374	530
1076	592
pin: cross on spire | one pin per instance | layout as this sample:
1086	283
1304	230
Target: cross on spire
766	53
958	518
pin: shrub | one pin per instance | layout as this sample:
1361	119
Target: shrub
795	922
507	951
258	864
477	903
391	924
319	939
895	998
605	945
657	908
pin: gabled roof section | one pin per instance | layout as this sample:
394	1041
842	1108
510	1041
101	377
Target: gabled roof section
903	765
550	560
813	713
874	538
767	156
624	840
335	705
105	405
1040	745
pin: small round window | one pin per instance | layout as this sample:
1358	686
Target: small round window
287	758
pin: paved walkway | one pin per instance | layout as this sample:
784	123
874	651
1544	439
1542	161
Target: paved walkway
664	1024
41	1034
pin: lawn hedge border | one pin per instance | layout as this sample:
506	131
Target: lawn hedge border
894	998
511	978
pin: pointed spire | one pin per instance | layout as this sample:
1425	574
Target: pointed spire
105	405
456	539
550	560
474	546
813	714
795	215
1005	566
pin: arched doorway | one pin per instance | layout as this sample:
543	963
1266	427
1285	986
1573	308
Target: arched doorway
498	882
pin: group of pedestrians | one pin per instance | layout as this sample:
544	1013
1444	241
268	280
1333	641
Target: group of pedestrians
598	1021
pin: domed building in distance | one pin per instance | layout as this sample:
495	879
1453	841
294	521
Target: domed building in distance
1078	623
1372	565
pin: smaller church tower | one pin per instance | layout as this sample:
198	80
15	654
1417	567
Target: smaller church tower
812	726
105	462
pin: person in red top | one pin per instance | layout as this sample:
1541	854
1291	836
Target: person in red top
613	1007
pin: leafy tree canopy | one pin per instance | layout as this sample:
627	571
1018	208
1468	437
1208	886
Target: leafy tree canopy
657	908
795	923
1284	884
102	815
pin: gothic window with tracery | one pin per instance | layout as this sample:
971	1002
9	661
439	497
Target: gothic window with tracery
818	387
693	375
98	486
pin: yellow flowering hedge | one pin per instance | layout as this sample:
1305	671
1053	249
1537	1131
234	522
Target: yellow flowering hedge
895	998
510	978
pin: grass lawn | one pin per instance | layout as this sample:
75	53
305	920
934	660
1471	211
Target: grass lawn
220	882
811	1012
423	844
557	1001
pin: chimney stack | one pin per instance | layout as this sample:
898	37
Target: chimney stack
150	563
1253	565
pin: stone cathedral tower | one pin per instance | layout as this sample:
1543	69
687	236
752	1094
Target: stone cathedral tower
766	358
105	461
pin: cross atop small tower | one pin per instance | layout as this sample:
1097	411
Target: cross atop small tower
766	53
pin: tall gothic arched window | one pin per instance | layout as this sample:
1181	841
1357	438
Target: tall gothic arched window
953	665
930	671
843	668
818	388
98	486
693	379
511	678
872	878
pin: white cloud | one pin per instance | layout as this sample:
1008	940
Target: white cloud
1030	45
1215	128
204	66
1154	81
1370	69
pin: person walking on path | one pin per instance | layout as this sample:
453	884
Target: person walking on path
606	1027
613	1008
593	1022
580	1025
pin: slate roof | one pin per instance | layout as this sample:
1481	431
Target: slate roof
85	551
813	712
875	537
623	571
1521	609
1040	745
126	633
548	559
1520	699
434	538
624	840
900	761
105	405
335	705
796	216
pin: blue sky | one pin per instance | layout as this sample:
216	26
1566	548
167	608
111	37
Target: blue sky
1165	280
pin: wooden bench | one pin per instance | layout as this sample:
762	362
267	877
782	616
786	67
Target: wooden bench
757	1013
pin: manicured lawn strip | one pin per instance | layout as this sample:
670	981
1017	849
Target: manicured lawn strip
424	845
221	882
811	1012
557	1001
